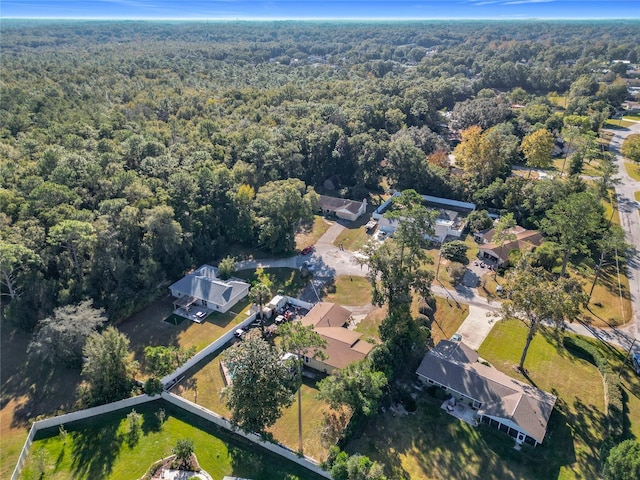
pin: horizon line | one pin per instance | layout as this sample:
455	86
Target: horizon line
242	18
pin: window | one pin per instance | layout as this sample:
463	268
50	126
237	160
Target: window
307	359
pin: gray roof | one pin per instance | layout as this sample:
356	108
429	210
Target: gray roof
500	395
204	284
333	203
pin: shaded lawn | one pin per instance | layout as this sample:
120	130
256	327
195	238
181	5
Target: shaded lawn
369	326
610	304
618	123
448	318
633	170
99	448
577	426
350	290
28	389
286	281
149	328
309	234
430	444
206	379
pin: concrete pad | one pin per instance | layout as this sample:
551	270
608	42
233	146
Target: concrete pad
476	326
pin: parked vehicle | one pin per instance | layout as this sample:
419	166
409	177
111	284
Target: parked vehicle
307	250
635	361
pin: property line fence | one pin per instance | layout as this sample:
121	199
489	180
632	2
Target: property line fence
277	448
73	417
173	378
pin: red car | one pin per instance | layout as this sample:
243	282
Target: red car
307	250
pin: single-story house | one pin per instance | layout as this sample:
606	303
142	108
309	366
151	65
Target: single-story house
342	208
524	239
513	407
450	221
344	346
204	287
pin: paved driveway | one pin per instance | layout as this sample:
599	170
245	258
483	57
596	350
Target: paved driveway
476	326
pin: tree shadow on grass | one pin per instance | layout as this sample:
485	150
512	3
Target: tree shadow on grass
150	421
95	450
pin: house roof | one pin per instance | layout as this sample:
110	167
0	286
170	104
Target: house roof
204	284
327	314
500	395
335	204
523	239
344	346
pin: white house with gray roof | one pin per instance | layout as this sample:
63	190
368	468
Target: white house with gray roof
513	407
203	287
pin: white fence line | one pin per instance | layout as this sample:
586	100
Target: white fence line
278	449
300	303
218	343
74	417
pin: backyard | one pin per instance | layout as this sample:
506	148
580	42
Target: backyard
100	448
204	384
432	444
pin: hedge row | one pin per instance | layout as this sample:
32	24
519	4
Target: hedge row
615	411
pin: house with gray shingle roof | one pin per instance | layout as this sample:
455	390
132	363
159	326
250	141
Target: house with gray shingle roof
341	207
516	408
204	287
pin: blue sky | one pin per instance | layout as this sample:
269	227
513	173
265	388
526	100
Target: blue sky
321	9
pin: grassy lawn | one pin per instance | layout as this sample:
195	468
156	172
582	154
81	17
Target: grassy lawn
99	448
286	281
205	383
310	234
618	123
28	389
637	195
633	170
149	328
350	291
448	318
610	303
577	426
354	236
369	326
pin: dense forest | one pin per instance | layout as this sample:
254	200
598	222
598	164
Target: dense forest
132	151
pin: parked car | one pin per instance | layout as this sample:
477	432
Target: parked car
307	264
635	361
456	337
307	250
240	333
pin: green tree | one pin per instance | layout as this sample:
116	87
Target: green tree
537	148
259	390
302	342
357	386
534	296
623	462
573	222
77	237
161	360
15	259
134	422
280	207
479	220
260	294
504	232
108	368
227	267
455	251
631	147
62	337
183	450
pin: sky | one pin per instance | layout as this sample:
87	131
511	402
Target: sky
321	9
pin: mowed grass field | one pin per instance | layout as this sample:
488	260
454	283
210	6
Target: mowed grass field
431	444
99	448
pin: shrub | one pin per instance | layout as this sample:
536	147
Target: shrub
153	386
456	272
